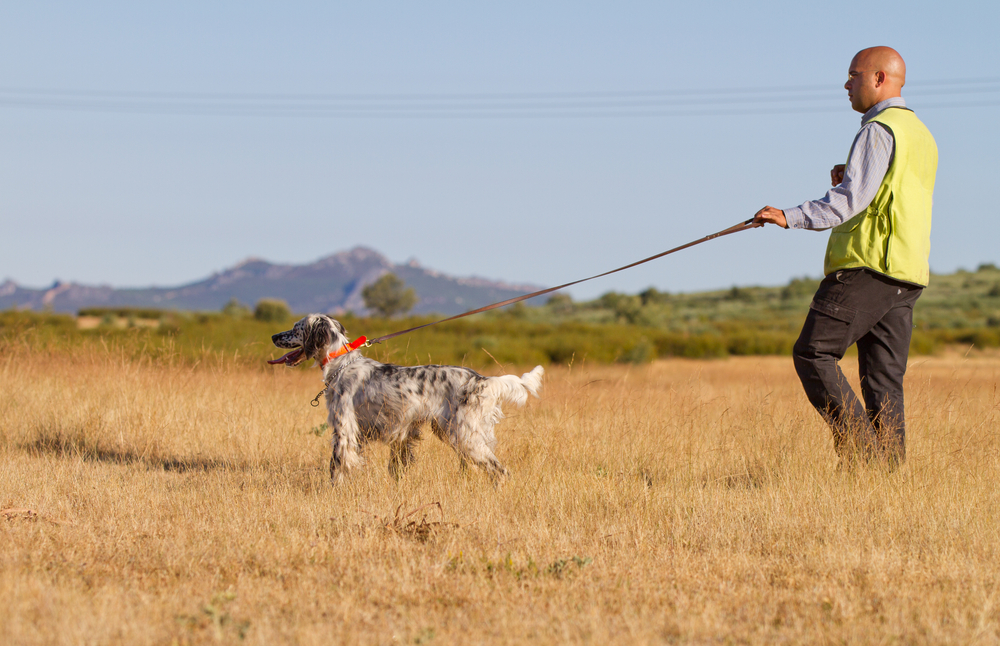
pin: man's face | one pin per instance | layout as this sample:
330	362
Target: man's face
861	86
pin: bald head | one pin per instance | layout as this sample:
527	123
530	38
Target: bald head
886	60
876	74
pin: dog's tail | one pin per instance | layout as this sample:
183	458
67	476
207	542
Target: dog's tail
515	389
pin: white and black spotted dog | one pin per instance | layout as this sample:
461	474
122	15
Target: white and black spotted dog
368	400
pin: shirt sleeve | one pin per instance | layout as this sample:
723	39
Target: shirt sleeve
870	158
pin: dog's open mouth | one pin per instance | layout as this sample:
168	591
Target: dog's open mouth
289	358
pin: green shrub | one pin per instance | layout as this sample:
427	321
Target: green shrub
560	353
560	303
923	343
124	312
739	294
271	310
799	287
652	296
626	308
235	309
642	352
389	296
691	346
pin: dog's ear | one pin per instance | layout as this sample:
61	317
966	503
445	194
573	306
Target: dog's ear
335	324
319	336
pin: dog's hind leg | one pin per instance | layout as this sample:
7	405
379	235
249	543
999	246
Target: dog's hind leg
488	462
443	433
401	451
473	445
398	459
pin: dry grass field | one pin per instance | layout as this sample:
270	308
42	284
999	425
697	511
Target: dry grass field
157	502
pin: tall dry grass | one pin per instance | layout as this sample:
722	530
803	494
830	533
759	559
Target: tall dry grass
150	502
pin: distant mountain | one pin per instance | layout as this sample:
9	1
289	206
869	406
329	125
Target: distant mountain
332	284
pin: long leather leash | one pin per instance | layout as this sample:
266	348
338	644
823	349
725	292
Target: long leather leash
742	226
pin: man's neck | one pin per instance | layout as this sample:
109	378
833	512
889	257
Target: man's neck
891	102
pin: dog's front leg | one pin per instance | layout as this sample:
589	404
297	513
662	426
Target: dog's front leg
346	447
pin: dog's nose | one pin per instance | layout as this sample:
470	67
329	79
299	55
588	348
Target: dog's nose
274	338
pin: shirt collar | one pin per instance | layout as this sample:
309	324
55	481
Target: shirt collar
893	102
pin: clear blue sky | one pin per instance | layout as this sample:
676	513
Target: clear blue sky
153	143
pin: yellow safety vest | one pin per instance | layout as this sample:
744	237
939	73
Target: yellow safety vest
893	235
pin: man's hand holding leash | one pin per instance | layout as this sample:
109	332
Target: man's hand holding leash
770	215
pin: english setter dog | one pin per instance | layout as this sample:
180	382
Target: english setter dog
368	400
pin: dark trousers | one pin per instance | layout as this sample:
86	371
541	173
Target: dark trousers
876	312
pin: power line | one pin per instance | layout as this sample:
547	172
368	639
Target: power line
488	105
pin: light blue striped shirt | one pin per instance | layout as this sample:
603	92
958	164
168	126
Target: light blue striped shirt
869	160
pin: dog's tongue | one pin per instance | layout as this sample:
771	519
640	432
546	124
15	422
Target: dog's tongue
288	357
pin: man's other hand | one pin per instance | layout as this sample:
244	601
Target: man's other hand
837	174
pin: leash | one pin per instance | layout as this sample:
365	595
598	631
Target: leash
742	226
362	341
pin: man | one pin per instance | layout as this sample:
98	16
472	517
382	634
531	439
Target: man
875	265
